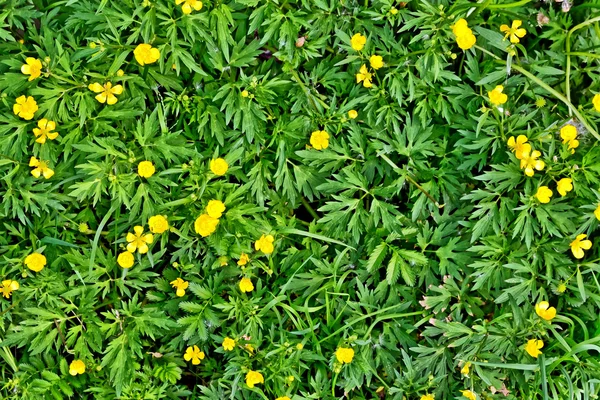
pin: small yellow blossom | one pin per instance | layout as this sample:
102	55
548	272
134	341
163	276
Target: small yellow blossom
158	224
358	41
32	67
106	92
427	397
40	168
265	244
246	285
460	27
125	260
469	394
344	355
519	146
146	169
215	208
530	161
244	259
393	11
597	212
146	54
564	186
376	62
466	41
249	347
25	107
8	286
497	97
533	347
514	32
466	368
579	244
254	378
35	262
219	166
76	367
245	93
180	285
188	5
138	241
319	140
193	353
543	194
120	73
44	130
205	225
283	398
352	114
364	76
299	346
568	134
544	310
596	102
228	344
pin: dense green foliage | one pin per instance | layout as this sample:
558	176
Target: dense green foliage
409	232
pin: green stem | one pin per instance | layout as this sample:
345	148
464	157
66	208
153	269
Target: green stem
509	5
333	384
310	210
568	48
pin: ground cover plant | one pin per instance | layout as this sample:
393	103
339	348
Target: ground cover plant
299	199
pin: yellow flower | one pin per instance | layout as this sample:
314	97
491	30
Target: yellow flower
205	225
146	54
466	41
530	161
32	67
427	397
25	107
193	353
352	114
180	285
146	169
158	224
139	241
344	355
596	102
244	259
8	286
76	367
393	11
460	27
254	378
519	146
299	346
188	5
228	344
469	394
579	244
44	130
514	31
465	369
364	76
125	260
358	42
245	93
249	347
265	244
533	347
215	208
319	140
219	166
283	398
106	92
376	62
35	261
597	212
564	186
120	73
544	310
41	168
497	97
543	194
568	133
246	285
